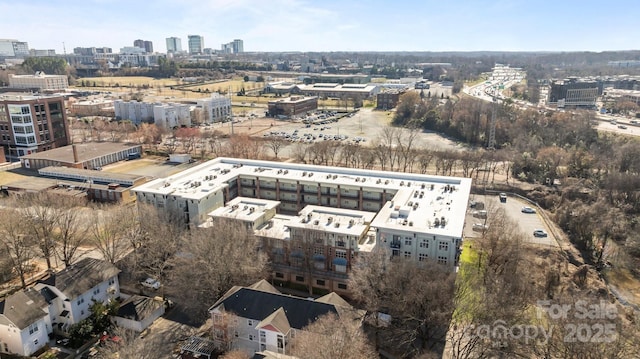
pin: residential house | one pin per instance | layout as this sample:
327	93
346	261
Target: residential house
138	312
259	318
71	292
24	324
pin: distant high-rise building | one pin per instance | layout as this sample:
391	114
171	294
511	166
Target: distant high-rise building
174	44
226	48
238	46
148	46
40	53
196	44
13	48
144	44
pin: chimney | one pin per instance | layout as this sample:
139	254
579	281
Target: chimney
75	153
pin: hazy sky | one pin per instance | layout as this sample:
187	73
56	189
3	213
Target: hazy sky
329	25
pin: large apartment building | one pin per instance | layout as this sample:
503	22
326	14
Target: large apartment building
169	115
315	219
30	123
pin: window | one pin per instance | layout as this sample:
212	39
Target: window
82	312
217	318
35	342
341	253
235	333
395	252
251	337
218	333
263	336
299	278
407	241
424	243
250	322
442	260
320	282
33	328
342	286
422	257
279	275
407	254
443	246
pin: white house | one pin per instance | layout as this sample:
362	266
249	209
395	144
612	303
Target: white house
259	318
70	292
24	324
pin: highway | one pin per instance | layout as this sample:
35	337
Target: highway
489	89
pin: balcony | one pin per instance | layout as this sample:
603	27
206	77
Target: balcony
396	244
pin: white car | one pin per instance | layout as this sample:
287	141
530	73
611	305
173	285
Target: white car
150	283
528	210
541	233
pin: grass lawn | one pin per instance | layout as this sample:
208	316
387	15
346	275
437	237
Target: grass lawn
8	177
128	81
624	281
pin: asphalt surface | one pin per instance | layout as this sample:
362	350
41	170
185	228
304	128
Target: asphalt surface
527	222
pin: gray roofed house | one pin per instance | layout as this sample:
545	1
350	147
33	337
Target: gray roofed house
22	308
24	323
70	293
259	318
79	277
138	312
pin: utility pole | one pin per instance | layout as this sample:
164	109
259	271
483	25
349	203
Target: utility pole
492	126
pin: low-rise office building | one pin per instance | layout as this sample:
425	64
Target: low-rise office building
388	99
574	93
336	90
292	106
39	81
90	155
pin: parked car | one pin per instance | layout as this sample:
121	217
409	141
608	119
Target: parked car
503	197
528	210
622	127
480	227
479	214
540	233
150	283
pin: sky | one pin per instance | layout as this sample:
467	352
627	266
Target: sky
328	25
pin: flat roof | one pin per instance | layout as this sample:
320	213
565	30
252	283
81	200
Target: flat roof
23	96
86	151
448	197
84	175
293	99
245	209
333	220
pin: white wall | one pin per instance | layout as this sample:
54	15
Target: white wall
21	342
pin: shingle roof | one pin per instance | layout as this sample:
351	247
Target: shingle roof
22	308
138	307
278	320
78	278
258	305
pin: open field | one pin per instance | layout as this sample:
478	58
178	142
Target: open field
10	176
129	81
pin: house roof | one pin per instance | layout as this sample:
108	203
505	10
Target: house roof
78	278
138	307
22	308
277	320
264	286
333	298
258	305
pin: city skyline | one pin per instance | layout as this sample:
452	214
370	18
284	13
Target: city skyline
301	25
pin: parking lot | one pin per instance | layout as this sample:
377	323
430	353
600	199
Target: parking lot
528	222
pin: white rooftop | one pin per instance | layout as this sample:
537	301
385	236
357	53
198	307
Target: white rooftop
245	209
448	198
333	220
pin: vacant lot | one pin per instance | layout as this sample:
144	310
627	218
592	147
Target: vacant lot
128	81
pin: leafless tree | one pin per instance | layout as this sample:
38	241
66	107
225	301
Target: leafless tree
131	346
106	233
17	245
41	219
220	257
330	337
72	229
276	144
